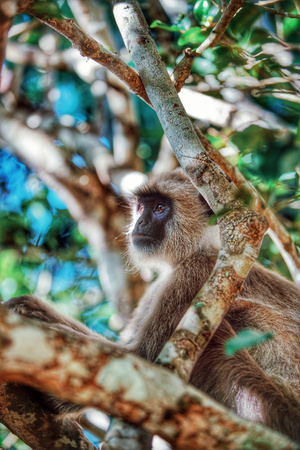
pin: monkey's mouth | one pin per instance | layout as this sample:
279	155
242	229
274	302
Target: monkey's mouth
142	240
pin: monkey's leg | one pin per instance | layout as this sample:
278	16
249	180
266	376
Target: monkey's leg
239	383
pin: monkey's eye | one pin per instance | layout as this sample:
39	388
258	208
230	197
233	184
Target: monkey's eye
140	208
160	207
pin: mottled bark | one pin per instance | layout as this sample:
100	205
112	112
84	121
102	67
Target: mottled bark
22	413
183	70
97	374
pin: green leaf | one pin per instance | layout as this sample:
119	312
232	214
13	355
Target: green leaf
8	261
193	36
290	26
164	26
297	137
201	11
245	339
47	9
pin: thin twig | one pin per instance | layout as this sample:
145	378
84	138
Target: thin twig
92	49
220	28
183	69
280	13
267	2
5	24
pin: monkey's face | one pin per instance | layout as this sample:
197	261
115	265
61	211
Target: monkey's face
152	214
169	221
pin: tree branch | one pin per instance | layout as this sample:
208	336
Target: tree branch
279	12
23	414
86	371
7	10
91	48
183	69
89	16
220	28
89	202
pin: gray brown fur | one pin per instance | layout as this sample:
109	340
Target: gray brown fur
261	384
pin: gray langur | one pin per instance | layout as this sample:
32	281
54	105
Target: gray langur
170	233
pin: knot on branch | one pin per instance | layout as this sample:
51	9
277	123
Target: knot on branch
183	70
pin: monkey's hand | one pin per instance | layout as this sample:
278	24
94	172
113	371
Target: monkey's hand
33	308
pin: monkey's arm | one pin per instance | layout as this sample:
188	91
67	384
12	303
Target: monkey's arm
164	305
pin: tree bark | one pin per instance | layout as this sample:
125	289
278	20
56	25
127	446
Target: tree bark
97	374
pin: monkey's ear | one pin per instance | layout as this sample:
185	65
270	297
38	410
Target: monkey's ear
206	206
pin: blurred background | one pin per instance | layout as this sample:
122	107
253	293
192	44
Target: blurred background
74	143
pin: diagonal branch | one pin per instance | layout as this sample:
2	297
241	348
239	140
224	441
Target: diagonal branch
91	48
220	28
7	9
34	424
279	12
95	373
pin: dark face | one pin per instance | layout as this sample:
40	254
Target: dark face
149	231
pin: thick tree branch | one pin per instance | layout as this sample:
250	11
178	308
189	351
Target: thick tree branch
34	424
98	374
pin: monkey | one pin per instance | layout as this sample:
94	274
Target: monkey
170	233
